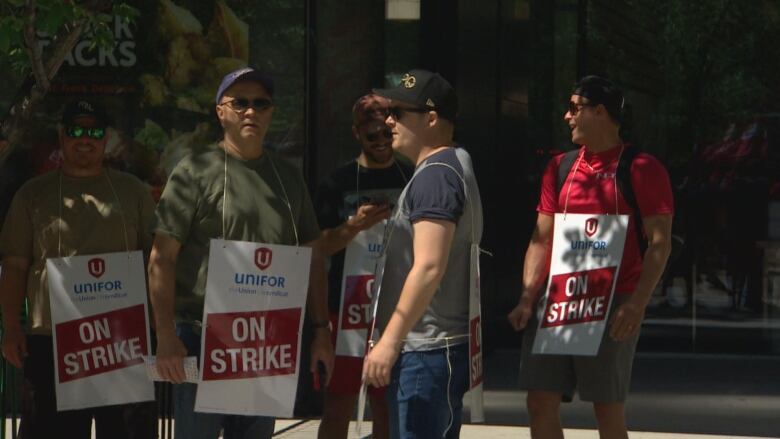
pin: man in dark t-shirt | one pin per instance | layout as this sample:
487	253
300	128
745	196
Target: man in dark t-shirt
354	198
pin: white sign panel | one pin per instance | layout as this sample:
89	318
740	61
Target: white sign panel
253	317
100	328
586	255
355	306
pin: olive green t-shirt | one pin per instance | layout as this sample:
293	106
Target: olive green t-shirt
92	222
190	211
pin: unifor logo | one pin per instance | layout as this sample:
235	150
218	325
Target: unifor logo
591	226
96	267
263	257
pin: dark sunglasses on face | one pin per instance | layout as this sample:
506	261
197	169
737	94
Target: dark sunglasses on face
396	112
575	107
240	105
373	137
75	131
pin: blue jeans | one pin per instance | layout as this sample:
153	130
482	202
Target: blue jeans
191	425
425	395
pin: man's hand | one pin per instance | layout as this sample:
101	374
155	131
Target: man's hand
170	357
14	345
520	315
379	363
367	215
627	320
322	351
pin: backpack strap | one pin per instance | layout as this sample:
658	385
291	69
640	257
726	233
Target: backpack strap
564	167
623	181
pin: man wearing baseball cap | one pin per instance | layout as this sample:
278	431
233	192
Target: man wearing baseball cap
268	203
82	208
588	181
352	204
423	286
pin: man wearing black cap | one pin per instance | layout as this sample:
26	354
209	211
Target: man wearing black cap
590	183
79	209
423	295
267	202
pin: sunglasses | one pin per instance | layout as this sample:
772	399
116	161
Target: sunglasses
575	107
373	137
240	105
75	132
396	112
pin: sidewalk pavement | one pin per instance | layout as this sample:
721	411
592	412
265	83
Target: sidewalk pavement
292	429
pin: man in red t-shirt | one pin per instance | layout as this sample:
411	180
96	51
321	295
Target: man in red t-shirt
594	117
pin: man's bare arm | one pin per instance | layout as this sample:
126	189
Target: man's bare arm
535	270
628	317
317	307
162	280
336	239
432	243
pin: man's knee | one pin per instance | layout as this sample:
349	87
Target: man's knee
543	403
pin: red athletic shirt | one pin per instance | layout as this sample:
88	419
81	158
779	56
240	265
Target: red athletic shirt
593	191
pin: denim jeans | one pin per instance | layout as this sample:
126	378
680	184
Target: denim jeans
191	425
425	395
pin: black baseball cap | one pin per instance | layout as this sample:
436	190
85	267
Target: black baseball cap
245	74
84	108
424	89
600	90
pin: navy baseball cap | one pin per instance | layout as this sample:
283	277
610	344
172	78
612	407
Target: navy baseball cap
245	74
424	89
84	108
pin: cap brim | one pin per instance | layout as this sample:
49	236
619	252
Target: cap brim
395	94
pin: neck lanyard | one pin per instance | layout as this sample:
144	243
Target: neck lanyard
576	169
284	193
62	201
357	178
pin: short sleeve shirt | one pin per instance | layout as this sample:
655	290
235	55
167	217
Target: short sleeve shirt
591	190
339	196
94	218
192	205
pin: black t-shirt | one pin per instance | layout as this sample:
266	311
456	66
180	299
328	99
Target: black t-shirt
338	198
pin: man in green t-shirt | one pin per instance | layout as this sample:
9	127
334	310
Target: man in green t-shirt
80	209
235	190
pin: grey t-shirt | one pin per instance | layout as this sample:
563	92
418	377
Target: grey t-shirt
435	192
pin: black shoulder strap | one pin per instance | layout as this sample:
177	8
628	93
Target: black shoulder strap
623	180
564	167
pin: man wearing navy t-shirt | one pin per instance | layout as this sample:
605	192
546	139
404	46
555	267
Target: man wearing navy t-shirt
591	186
423	304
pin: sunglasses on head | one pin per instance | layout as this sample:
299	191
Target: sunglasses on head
240	105
76	131
374	136
397	112
575	107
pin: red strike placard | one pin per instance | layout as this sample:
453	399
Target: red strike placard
578	297
101	343
251	344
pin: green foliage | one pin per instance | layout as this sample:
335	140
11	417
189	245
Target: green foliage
720	60
55	19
